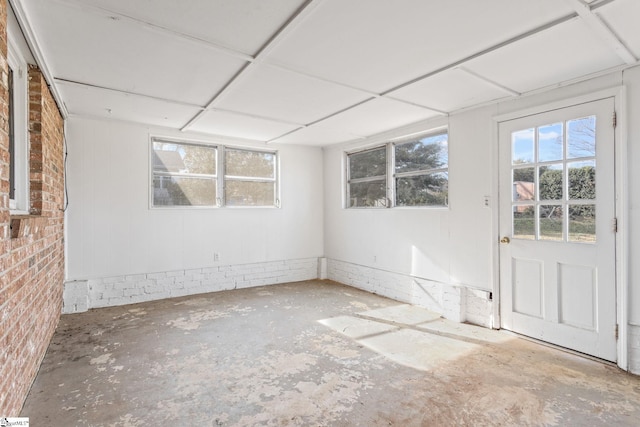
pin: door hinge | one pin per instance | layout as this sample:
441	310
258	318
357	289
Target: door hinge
614	225
616	333
614	120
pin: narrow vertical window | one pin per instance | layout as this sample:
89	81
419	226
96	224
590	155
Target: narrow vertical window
12	142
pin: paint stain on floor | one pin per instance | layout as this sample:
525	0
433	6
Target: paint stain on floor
312	354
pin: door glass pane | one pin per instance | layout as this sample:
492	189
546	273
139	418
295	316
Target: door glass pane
550	181
581	137
550	142
582	180
522	143
524	184
582	223
524	222
551	222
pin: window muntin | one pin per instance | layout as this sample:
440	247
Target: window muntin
421	176
553	169
367	178
184	174
250	177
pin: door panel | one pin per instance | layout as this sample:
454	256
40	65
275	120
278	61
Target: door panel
557	203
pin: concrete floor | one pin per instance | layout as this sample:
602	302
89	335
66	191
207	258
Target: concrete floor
312	354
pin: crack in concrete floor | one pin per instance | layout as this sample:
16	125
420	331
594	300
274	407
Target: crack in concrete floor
312	354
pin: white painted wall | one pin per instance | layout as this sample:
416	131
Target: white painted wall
111	231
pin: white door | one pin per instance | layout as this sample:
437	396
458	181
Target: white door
557	212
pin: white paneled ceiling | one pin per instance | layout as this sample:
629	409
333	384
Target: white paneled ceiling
315	72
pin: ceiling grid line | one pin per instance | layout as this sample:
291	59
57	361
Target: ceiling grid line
602	30
302	13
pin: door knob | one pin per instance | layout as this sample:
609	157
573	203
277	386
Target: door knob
505	240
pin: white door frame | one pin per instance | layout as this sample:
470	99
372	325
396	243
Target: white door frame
622	197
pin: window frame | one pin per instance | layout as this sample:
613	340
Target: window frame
390	175
18	122
420	172
375	178
236	178
219	177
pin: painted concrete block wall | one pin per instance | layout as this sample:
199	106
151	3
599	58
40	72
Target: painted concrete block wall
112	231
31	246
82	295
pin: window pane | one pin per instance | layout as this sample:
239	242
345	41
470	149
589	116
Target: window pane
423	190
551	218
581	137
424	154
524	184
582	180
582	223
183	191
522	146
368	163
550	181
254	164
368	194
184	158
550	142
247	193
524	222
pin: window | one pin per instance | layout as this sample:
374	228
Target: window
407	173
250	178
185	174
367	181
17	116
421	172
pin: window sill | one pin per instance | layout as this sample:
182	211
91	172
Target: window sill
27	225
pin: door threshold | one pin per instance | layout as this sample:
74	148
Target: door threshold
560	348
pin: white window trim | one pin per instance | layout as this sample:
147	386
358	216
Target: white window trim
221	177
19	205
390	171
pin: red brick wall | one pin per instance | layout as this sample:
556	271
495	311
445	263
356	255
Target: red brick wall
31	247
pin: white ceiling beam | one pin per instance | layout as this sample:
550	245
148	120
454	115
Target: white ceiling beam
602	30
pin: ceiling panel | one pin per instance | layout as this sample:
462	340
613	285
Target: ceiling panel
319	134
241	25
276	93
559	54
377	115
622	16
94	102
450	90
239	126
118	54
379	44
